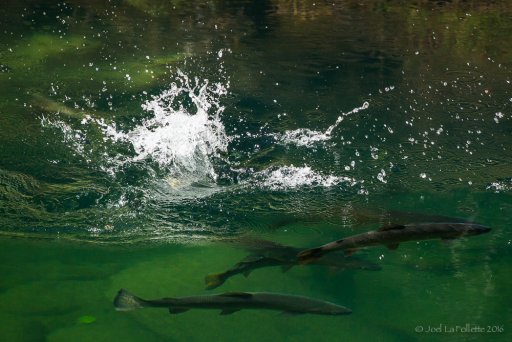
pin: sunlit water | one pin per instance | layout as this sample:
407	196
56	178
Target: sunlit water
137	136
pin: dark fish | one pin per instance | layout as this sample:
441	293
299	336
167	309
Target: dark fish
350	215
231	302
391	236
278	255
245	267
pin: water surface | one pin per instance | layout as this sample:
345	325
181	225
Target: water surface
135	136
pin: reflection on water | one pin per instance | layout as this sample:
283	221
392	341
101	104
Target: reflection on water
164	126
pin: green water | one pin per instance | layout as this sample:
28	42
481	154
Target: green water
136	137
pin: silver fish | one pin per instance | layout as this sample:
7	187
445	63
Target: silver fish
285	256
231	302
391	236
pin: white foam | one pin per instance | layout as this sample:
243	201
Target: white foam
292	177
500	186
186	140
302	137
182	140
308	138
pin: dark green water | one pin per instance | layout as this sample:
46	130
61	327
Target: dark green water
136	135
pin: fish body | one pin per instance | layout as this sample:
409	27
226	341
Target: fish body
391	236
286	257
245	267
231	302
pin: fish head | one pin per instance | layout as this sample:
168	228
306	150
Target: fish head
475	229
330	309
339	310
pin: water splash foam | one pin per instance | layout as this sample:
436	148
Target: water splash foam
500	186
292	177
185	141
308	138
181	140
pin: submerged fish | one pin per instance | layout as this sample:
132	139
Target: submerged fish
50	105
231	302
391	236
286	257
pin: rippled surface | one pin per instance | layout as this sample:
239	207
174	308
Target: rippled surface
165	127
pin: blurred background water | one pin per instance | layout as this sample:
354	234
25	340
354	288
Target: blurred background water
136	136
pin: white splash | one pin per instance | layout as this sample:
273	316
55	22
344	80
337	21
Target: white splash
291	177
308	138
500	186
72	137
381	176
186	140
302	137
182	140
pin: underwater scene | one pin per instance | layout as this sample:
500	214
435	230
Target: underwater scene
255	170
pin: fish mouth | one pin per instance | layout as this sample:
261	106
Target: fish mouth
344	311
334	311
479	229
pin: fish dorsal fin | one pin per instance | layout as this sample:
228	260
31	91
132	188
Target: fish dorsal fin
237	295
391	227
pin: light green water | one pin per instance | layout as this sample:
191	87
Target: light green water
137	136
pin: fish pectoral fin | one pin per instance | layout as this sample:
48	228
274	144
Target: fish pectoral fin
246	273
228	311
177	310
391	227
349	252
392	246
286	268
246	295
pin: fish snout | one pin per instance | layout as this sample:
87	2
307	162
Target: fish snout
332	310
341	311
478	229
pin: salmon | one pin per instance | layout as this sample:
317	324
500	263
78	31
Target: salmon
231	302
392	236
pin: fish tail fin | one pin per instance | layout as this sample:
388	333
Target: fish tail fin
309	255
214	280
125	301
